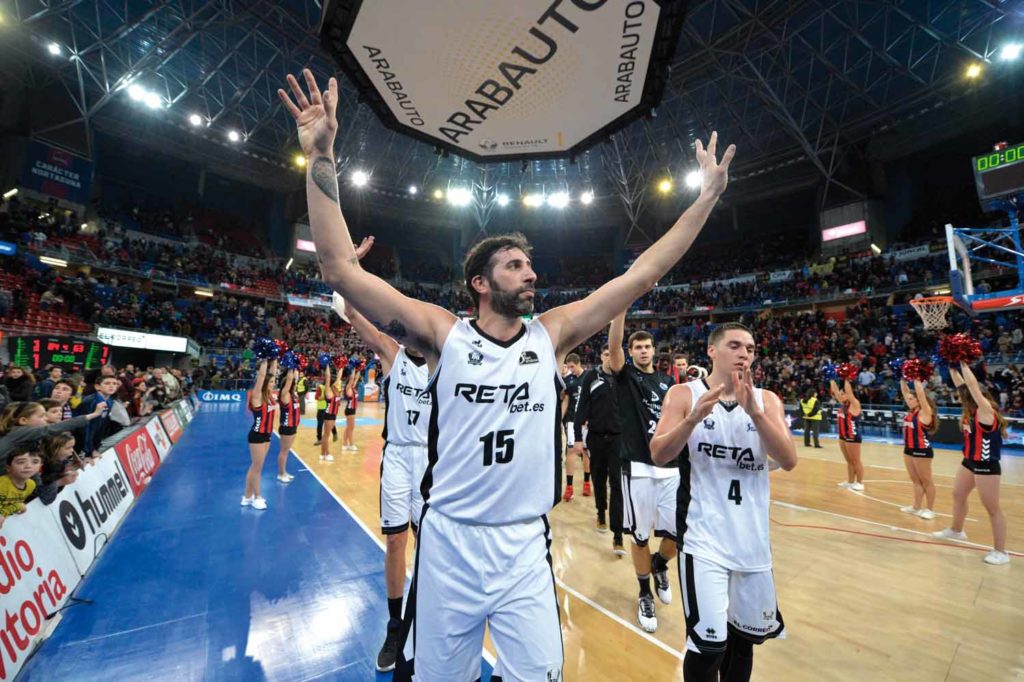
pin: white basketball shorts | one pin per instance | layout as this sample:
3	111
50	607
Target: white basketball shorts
648	503
570	434
467	576
401	471
719	602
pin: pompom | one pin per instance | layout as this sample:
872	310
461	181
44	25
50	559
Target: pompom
896	365
829	371
917	369
264	348
339	361
324	359
289	360
847	371
282	347
957	348
303	361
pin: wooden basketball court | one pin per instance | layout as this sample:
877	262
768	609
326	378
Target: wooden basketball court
866	592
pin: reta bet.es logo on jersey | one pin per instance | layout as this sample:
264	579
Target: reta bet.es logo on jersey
744	457
516	397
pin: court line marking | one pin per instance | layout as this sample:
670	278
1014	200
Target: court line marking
896	504
797	507
888	468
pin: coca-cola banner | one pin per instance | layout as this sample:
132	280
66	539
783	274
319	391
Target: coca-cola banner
171	424
37	575
139	458
89	510
159	437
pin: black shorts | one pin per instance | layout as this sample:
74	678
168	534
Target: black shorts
855	439
989	468
259	437
926	453
328	417
350	411
287	430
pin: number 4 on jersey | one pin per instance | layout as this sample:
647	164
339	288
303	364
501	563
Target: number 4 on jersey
734	491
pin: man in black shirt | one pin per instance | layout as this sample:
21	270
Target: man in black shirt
648	491
573	437
598	412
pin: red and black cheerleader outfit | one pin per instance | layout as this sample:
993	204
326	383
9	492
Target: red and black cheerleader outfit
289	416
849	426
915	439
983	446
262	421
333	406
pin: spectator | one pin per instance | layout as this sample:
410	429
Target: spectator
45	387
20	383
102	399
16	484
58	467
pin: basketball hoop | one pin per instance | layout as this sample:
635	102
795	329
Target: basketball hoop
932	310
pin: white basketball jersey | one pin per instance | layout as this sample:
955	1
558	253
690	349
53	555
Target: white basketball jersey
495	438
722	507
407	412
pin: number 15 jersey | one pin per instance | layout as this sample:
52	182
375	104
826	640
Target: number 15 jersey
494	441
724	491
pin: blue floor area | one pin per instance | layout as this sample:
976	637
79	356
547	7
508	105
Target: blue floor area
194	587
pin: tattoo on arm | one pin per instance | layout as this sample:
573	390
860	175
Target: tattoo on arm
324	176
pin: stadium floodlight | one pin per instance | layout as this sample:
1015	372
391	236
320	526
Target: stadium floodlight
438	194
195	119
55	262
208	293
460	196
136	92
413	189
360	178
665	186
558	200
587	198
533	200
693	179
973	71
288	265
299	160
85	226
153	100
54	49
1010	51
502	200
234	136
10	193
875	249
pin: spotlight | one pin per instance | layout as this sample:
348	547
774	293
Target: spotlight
413	189
195	119
665	186
136	92
438	194
54	49
1010	51
152	100
234	136
502	200
85	225
289	263
360	178
558	200
533	200
973	71
587	198
300	160
460	196
10	193
693	179
876	250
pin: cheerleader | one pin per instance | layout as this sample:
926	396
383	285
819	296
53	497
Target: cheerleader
984	429
849	434
920	422
263	406
289	400
351	402
333	397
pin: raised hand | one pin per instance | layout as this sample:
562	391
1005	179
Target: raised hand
743	386
706	403
315	116
714	173
364	247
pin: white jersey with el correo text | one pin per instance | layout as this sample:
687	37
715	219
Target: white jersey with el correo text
407	411
495	439
722	505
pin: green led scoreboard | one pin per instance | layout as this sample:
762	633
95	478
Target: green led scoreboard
65	352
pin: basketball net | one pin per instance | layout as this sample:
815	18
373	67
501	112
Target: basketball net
933	310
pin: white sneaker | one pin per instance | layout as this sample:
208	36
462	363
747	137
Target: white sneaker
286	478
259	503
645	614
844	484
247	501
328	458
926	514
859	487
997	558
949	534
662	586
352	448
910	510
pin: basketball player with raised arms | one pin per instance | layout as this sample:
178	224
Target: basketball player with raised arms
494	437
404	459
723	432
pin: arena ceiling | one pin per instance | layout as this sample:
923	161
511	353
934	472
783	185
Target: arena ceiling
800	87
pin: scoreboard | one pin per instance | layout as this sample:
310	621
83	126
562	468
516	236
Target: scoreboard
65	352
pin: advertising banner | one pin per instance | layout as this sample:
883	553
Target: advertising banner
179	412
89	510
913	253
57	173
159	437
37	575
171	424
222	396
139	459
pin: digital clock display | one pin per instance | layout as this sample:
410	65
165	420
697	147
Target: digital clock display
999	173
65	352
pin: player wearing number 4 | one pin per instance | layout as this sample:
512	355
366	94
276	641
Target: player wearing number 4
723	430
404	459
494	440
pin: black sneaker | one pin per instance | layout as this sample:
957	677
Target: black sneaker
389	652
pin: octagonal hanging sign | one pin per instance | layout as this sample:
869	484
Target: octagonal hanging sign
497	80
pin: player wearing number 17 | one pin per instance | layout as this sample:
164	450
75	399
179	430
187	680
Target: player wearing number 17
723	431
494	437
